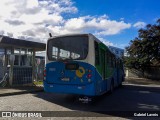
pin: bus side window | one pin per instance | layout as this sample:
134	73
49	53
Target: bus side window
96	53
109	60
112	61
118	63
121	64
115	63
106	59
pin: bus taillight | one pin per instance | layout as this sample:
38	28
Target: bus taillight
44	74
89	76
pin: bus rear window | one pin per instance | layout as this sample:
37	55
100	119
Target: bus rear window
68	48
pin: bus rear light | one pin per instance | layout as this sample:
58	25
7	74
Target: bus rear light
89	76
89	71
44	73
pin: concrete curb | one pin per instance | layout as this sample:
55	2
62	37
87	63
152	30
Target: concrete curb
151	85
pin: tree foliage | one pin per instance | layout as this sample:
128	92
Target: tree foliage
144	50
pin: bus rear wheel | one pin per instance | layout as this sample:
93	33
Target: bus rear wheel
120	85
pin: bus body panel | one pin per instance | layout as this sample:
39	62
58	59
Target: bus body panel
57	73
88	90
70	81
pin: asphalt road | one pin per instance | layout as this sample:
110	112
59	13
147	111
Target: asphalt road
127	98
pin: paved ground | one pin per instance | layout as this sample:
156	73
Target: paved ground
131	97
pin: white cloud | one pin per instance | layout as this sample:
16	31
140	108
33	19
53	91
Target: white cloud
98	25
139	25
32	4
33	20
29	18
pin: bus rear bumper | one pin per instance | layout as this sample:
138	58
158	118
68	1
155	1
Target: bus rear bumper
88	89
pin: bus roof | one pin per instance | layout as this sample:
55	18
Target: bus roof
67	35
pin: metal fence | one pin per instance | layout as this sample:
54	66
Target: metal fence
22	75
1	67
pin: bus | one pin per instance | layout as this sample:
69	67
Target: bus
81	64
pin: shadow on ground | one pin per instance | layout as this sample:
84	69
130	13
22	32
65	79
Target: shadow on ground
124	99
8	91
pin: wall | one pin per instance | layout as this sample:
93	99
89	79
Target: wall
150	73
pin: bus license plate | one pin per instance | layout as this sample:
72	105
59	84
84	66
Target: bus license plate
65	79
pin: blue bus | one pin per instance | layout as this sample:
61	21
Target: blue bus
81	64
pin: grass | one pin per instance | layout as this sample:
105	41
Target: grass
40	82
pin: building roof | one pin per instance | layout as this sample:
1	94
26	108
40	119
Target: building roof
12	42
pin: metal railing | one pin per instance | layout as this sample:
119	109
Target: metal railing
4	81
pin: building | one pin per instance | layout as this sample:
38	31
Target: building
17	57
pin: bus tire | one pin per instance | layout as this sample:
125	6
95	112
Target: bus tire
120	85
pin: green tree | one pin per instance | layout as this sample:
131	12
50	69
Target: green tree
144	50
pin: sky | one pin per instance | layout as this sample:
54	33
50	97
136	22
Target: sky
114	22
